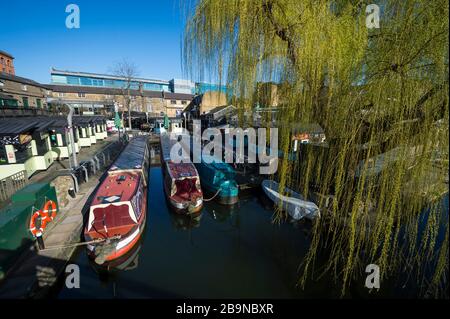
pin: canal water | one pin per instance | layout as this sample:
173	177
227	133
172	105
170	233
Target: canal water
228	252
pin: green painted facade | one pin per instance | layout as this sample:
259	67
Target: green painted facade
15	237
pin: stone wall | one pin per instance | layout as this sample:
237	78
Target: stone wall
62	185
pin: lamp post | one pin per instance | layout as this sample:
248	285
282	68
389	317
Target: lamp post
71	135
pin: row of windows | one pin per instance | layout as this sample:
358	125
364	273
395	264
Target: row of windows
201	88
25	102
175	102
5	61
118	84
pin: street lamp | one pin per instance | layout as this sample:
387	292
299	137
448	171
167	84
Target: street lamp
71	135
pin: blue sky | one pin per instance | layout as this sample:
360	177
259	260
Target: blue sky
146	32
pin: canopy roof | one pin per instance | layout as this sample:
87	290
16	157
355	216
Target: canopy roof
11	126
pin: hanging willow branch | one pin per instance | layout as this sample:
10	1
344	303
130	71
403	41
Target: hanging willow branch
380	94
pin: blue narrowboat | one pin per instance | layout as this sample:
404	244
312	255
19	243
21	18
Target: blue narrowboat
218	179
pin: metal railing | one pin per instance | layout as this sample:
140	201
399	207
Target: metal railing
24	111
101	160
11	184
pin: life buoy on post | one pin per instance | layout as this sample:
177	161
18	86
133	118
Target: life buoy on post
37	232
50	209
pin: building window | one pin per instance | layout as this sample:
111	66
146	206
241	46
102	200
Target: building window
24	88
25	101
8	102
73	80
97	82
81	95
39	103
86	81
184	102
173	102
60	94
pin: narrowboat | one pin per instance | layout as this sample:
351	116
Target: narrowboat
118	210
218	179
181	181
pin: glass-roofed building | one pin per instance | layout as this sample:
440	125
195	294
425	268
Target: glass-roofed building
105	81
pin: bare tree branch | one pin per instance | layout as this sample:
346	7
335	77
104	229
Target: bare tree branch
128	71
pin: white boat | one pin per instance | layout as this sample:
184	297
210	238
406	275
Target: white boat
294	204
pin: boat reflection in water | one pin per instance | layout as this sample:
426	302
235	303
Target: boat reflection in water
185	222
224	214
126	262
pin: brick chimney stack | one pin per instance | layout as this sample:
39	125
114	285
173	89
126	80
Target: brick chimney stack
7	63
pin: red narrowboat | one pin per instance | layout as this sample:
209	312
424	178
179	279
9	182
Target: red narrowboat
118	210
181	181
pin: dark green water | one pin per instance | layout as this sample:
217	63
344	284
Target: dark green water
230	252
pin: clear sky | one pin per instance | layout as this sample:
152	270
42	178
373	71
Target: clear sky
146	32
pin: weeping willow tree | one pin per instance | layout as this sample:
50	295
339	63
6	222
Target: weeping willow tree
381	95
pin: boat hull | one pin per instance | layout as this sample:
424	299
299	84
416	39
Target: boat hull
124	245
228	200
185	207
295	205
180	206
226	190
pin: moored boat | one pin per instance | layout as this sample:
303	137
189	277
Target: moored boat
118	211
182	187
293	203
218	179
181	181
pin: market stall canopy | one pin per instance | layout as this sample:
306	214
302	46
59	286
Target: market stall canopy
16	131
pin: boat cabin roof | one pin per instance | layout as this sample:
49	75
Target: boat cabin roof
217	163
167	143
181	170
133	156
117	187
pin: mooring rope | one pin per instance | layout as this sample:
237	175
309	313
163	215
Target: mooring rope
210	199
95	241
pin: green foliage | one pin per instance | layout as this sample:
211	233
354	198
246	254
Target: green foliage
380	94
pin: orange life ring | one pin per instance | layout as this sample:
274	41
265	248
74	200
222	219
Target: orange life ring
50	209
44	220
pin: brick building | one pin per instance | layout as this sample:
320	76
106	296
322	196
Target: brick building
16	91
100	100
6	63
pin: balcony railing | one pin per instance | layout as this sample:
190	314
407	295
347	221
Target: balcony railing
22	111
